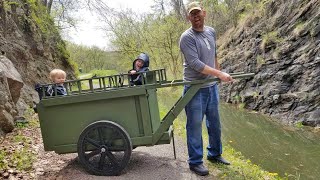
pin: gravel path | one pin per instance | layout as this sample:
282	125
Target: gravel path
146	163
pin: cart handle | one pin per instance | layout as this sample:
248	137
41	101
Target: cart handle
184	100
182	82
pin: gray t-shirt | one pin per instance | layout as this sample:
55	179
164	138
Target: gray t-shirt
198	49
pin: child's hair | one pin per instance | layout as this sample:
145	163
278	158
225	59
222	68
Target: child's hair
56	72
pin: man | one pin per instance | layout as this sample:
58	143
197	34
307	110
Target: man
198	46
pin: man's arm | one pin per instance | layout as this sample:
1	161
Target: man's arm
215	72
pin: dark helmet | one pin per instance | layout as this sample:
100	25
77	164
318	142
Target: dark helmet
144	57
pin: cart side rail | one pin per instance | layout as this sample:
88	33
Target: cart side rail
106	83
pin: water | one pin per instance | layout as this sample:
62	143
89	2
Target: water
274	147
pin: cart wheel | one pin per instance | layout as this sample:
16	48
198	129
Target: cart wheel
104	148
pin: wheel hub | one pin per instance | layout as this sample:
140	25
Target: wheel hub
103	149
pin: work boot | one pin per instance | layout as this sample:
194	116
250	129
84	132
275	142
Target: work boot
199	169
218	159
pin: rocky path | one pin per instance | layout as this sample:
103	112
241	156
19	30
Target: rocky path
146	163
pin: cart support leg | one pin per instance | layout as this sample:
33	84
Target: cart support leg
174	146
174	112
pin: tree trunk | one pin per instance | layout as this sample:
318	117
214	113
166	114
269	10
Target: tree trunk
44	2
49	5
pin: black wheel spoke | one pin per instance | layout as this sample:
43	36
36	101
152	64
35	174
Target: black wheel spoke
100	136
111	138
104	148
102	160
112	158
93	142
92	153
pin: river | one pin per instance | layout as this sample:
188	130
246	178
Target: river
289	151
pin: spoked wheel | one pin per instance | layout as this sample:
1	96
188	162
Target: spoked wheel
104	148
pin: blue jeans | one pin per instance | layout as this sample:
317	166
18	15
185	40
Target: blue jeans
204	102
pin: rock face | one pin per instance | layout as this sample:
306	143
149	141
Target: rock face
281	45
30	46
10	86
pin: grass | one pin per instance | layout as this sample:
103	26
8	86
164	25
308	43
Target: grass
260	60
241	167
269	39
300	26
104	72
98	73
16	147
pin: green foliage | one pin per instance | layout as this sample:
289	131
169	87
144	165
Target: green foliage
22	158
255	95
31	122
260	60
276	53
62	48
224	15
299	125
16	147
66	56
18	154
20	138
21	125
104	72
156	35
241	105
6	6
43	20
85	84
84	76
34	123
270	38
260	8
298	28
3	161
236	99
241	168
91	58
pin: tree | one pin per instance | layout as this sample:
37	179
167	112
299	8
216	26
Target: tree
91	58
179	9
156	34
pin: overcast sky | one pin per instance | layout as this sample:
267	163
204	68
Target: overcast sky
88	33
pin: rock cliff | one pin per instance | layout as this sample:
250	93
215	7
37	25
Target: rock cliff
280	43
30	47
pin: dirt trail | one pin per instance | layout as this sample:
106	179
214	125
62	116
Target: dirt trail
146	163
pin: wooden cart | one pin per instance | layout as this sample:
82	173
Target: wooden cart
104	118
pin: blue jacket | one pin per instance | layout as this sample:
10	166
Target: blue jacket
136	79
61	90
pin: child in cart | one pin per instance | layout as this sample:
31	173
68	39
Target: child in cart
58	77
140	64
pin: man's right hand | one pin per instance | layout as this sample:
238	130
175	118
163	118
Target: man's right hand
225	77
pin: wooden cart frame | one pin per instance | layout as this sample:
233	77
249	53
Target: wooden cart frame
104	118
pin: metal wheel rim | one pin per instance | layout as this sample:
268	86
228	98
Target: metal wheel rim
104	148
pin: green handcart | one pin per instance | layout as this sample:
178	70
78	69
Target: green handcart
104	118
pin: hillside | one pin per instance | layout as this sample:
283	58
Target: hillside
30	47
280	42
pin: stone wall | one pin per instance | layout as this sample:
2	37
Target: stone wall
31	44
282	46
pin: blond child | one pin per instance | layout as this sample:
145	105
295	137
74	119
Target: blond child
58	77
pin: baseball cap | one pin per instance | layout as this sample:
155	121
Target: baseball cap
194	5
